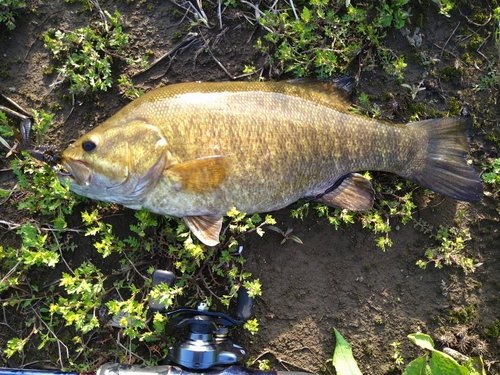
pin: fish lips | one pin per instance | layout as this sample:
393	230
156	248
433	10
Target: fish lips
77	170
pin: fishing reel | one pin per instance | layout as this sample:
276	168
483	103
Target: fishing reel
207	343
206	349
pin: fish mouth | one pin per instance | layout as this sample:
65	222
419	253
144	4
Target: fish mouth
76	170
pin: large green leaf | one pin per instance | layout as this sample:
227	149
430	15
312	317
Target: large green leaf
418	366
343	360
443	364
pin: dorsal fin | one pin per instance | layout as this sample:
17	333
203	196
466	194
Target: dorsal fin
331	92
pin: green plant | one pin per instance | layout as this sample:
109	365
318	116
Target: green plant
393	64
252	326
343	360
451	242
335	218
494	329
9	10
445	6
5	131
492	78
438	362
491	173
435	362
414	89
44	193
393	14
286	235
398	359
85	298
84	287
365	107
86	53
399	204
496	19
128	89
325	36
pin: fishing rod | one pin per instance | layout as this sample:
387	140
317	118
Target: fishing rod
12	371
206	349
122	369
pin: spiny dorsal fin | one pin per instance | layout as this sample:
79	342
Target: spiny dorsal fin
354	193
200	175
333	92
205	228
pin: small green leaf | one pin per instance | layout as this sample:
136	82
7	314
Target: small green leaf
5	144
343	360
4	193
422	340
306	15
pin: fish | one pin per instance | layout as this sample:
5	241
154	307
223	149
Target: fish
197	150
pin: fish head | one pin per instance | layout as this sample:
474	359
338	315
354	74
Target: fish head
116	163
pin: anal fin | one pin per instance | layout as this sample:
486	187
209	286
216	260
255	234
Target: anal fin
205	228
354	193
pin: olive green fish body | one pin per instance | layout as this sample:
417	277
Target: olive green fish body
272	160
196	150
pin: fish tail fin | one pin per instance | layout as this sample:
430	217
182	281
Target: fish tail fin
445	169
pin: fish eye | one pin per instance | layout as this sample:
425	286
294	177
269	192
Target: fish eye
88	146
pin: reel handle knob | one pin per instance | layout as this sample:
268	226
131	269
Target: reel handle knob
244	306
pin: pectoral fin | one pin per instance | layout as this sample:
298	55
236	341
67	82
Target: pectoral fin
354	193
206	228
200	175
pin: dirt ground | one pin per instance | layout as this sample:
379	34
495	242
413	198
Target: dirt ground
336	278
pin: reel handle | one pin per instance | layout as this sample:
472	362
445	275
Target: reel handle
244	306
161	276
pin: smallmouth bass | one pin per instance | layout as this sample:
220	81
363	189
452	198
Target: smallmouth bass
196	150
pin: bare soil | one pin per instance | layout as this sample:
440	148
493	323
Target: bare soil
336	278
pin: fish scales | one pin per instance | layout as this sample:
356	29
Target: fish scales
196	150
316	155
